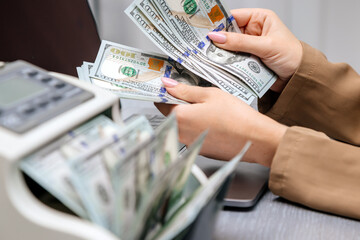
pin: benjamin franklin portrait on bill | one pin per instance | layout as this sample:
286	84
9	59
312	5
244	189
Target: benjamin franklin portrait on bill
224	57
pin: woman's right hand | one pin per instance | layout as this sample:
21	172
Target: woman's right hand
265	36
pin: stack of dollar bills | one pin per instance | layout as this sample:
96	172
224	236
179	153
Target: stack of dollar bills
179	28
128	179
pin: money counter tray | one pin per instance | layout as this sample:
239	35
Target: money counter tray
199	229
45	197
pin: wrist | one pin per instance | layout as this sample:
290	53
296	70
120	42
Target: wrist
266	140
275	136
298	52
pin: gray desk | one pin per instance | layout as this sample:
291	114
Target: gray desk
276	218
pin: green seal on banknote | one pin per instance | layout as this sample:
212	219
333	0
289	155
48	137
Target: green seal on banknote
167	158
190	6
128	71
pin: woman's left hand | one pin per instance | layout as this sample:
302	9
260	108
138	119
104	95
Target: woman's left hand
229	120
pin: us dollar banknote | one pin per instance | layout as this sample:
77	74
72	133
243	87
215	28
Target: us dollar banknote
166	183
218	77
168	46
192	20
120	90
140	70
190	210
161	41
93	184
49	167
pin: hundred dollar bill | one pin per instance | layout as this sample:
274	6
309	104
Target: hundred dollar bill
177	197
161	41
129	65
126	199
131	177
50	169
150	213
137	129
121	91
139	169
228	84
153	15
92	170
151	12
80	73
166	145
138	69
122	173
127	92
151	26
93	184
192	20
187	214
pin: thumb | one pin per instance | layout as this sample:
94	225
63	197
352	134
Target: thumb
238	42
191	94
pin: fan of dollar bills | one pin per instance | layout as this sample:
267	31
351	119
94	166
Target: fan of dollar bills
128	179
179	28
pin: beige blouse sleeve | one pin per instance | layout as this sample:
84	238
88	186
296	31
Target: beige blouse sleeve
318	161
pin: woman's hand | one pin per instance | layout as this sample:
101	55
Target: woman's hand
266	37
230	122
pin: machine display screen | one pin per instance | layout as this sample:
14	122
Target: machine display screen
15	89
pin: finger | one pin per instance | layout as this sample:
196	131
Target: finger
237	42
244	15
165	109
191	94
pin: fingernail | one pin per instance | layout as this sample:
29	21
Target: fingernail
218	37
168	82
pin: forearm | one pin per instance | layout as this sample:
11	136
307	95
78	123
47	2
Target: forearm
318	172
322	96
265	135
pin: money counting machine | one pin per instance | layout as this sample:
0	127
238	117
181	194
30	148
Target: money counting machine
37	107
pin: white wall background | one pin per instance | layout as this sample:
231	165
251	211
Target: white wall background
329	25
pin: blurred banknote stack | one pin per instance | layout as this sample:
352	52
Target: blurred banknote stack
179	29
128	179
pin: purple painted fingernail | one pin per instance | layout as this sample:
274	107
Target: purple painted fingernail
218	37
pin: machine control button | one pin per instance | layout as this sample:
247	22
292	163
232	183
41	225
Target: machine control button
29	110
60	85
56	97
33	73
46	79
43	103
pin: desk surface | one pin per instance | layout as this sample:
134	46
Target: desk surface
276	218
273	217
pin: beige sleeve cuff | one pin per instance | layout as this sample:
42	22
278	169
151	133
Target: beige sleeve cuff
318	172
282	110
